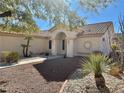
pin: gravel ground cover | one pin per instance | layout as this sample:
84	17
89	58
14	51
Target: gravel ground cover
44	77
78	83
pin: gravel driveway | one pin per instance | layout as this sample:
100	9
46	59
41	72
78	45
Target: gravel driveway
44	77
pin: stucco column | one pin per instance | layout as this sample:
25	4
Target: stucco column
54	48
70	47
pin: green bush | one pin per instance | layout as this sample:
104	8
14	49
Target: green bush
9	57
96	64
114	47
13	57
4	55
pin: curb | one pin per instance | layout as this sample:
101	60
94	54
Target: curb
62	88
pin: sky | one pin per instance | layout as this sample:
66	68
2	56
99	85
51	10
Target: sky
110	13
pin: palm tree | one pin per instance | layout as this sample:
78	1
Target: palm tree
96	63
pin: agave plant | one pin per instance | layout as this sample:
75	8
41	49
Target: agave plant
97	64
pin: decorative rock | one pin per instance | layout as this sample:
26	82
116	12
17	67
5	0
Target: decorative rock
78	83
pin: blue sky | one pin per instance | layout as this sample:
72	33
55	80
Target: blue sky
110	13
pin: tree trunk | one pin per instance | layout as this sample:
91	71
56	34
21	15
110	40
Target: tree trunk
28	41
100	83
24	52
122	58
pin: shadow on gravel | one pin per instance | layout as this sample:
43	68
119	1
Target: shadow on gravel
58	69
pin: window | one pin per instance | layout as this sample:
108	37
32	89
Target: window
50	44
63	44
103	39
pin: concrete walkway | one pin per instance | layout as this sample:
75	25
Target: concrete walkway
32	60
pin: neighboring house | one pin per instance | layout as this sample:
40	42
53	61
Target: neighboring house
59	40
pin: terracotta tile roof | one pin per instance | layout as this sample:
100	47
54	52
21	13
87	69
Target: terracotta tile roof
37	35
87	30
98	28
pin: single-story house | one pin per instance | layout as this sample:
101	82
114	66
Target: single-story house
62	41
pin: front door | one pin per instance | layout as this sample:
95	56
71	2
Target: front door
62	47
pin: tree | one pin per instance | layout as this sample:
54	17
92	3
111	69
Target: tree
28	38
55	12
97	63
26	46
94	5
22	15
121	39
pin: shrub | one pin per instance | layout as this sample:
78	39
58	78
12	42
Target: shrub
114	47
13	57
9	57
4	55
114	54
96	64
115	70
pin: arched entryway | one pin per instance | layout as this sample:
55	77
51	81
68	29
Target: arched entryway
61	43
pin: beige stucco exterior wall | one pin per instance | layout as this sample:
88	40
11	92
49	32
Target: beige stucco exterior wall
100	43
75	41
13	43
10	44
79	46
106	44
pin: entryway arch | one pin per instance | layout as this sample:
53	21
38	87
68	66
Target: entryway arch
61	43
